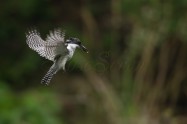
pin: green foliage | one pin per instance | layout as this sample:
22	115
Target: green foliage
31	107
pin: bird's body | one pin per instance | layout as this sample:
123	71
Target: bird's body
55	48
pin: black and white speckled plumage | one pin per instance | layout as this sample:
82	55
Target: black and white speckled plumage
53	45
54	48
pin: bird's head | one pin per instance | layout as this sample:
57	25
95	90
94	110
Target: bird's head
76	43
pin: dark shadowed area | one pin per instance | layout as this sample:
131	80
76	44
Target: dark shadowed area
135	72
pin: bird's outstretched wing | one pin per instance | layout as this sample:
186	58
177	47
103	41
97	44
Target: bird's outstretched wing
53	45
56	36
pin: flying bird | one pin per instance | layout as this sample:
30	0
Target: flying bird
55	48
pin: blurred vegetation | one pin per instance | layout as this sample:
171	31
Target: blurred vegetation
135	72
31	107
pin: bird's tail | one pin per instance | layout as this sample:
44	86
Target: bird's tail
47	78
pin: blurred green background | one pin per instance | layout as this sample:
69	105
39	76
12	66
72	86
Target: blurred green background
135	72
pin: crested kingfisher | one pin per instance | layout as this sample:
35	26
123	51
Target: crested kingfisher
55	48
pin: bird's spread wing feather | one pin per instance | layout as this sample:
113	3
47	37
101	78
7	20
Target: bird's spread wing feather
56	36
49	48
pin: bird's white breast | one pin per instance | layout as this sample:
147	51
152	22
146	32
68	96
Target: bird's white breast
71	48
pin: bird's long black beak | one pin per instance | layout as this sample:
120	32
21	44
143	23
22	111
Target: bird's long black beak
84	48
